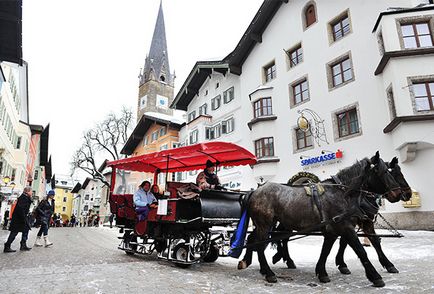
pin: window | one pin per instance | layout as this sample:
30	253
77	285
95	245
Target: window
192	172
154	136
164	147
14	170
36	174
176	145
191	115
348	123
264	147
63	208
416	35
194	136
304	139
213	132
203	109
86	208
65	199
270	71
341	27
143	101
341	72
228	95
163	131
18	143
262	107
217	85
86	197
228	126
309	15
424	96
206	92
146	140
300	92
295	55
216	102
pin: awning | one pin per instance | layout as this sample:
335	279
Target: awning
187	158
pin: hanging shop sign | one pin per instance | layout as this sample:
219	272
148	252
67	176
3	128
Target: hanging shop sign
325	158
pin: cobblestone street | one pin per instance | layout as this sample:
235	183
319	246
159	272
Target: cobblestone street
86	260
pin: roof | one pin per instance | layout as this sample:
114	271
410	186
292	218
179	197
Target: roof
253	34
401	10
76	188
198	75
36	129
85	183
11	31
187	158
232	62
142	127
157	62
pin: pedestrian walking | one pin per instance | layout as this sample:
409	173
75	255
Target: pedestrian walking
6	220
112	216
20	221
44	211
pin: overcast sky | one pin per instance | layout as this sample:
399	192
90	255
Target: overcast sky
85	55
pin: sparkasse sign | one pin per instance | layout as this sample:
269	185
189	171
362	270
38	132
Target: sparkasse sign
327	158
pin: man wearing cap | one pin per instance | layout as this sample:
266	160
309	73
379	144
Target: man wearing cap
208	179
44	211
20	221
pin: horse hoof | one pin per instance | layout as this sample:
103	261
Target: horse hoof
291	265
379	283
344	270
242	265
392	270
324	279
271	279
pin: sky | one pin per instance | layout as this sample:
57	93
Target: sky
85	56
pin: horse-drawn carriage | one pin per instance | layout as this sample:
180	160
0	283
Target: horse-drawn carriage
183	229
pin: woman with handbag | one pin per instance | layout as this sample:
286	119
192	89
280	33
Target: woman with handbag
44	211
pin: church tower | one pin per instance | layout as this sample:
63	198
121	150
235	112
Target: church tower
156	82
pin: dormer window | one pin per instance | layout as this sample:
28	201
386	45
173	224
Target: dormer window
162	78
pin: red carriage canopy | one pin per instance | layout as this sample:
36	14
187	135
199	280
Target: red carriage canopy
187	158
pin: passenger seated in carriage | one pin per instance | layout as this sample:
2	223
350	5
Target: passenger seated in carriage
144	200
208	179
155	190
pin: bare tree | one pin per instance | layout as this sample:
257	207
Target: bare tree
104	141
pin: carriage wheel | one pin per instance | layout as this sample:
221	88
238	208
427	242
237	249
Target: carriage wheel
212	254
180	252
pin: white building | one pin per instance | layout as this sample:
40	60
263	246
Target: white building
214	112
361	72
14	130
87	196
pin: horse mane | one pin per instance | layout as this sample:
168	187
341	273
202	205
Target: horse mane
354	175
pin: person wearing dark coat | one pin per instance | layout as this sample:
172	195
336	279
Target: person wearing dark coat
44	211
6	220
20	221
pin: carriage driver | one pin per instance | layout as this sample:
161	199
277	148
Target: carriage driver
208	179
144	200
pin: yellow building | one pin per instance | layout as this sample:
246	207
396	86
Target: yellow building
64	198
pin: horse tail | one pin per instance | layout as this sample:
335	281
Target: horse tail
239	236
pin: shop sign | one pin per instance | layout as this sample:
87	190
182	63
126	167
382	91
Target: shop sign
323	159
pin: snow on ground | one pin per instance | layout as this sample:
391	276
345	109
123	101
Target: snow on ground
85	260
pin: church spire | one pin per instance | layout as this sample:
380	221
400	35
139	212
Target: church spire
157	62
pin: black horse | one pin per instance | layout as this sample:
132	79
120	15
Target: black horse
370	206
291	207
367	225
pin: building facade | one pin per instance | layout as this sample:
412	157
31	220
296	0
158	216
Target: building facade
358	72
64	197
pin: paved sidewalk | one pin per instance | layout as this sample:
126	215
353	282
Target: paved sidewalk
85	260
